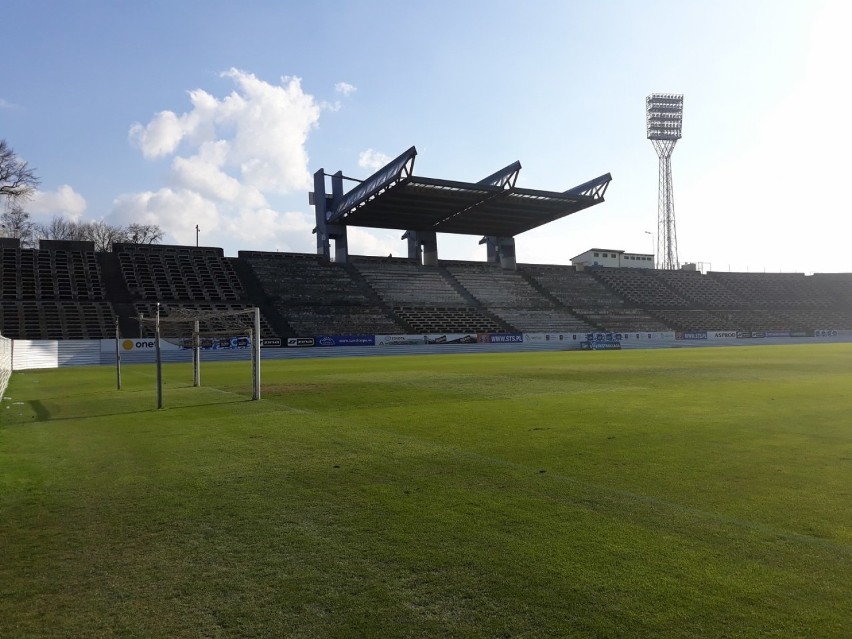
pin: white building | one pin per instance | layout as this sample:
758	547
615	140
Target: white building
613	259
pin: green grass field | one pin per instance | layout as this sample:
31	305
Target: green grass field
671	493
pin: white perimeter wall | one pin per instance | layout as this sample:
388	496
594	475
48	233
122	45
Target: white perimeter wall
30	354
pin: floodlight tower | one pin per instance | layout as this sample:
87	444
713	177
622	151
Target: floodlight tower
664	112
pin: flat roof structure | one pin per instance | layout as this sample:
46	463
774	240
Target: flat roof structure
394	198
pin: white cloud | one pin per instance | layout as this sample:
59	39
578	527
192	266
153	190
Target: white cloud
289	231
375	242
203	173
373	160
160	136
65	202
232	159
176	212
229	156
256	134
271	125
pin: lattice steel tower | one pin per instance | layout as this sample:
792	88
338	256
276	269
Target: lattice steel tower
664	112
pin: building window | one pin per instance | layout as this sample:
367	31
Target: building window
596	255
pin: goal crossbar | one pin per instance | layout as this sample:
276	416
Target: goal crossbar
188	323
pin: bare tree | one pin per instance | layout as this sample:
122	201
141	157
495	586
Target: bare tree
18	180
103	235
15	222
143	234
60	228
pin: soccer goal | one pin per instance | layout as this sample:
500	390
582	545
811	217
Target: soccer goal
5	363
206	330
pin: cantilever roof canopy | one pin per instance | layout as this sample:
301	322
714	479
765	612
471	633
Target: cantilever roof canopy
394	198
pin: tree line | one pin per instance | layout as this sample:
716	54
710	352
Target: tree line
18	183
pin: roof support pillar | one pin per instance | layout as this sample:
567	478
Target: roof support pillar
492	255
422	247
337	232
415	251
320	202
507	253
327	232
500	250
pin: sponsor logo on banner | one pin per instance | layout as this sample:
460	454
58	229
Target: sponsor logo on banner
140	344
400	340
757	334
346	340
217	344
602	337
824	332
777	333
725	334
144	345
451	339
270	342
300	341
743	334
799	334
500	338
600	346
692	335
607	346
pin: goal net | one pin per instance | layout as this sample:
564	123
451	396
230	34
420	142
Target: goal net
5	363
206	330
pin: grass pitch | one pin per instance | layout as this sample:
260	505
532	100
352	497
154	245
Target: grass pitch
672	493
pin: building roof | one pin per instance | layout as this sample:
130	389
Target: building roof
394	198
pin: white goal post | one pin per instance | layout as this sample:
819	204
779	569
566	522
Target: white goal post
191	328
5	363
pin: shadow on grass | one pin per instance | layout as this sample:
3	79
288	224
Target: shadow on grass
39	413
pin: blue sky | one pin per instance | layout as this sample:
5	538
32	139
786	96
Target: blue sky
216	114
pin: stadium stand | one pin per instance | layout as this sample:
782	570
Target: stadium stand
161	272
513	298
197	279
425	298
54	292
590	300
319	298
776	290
701	291
65	290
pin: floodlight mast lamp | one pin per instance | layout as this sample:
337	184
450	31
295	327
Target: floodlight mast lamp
664	112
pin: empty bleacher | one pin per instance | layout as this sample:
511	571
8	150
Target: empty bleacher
424	299
509	296
64	290
776	290
590	300
835	286
700	290
187	273
448	319
53	293
195	279
641	287
318	298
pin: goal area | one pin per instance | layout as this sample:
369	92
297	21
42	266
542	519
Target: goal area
205	330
